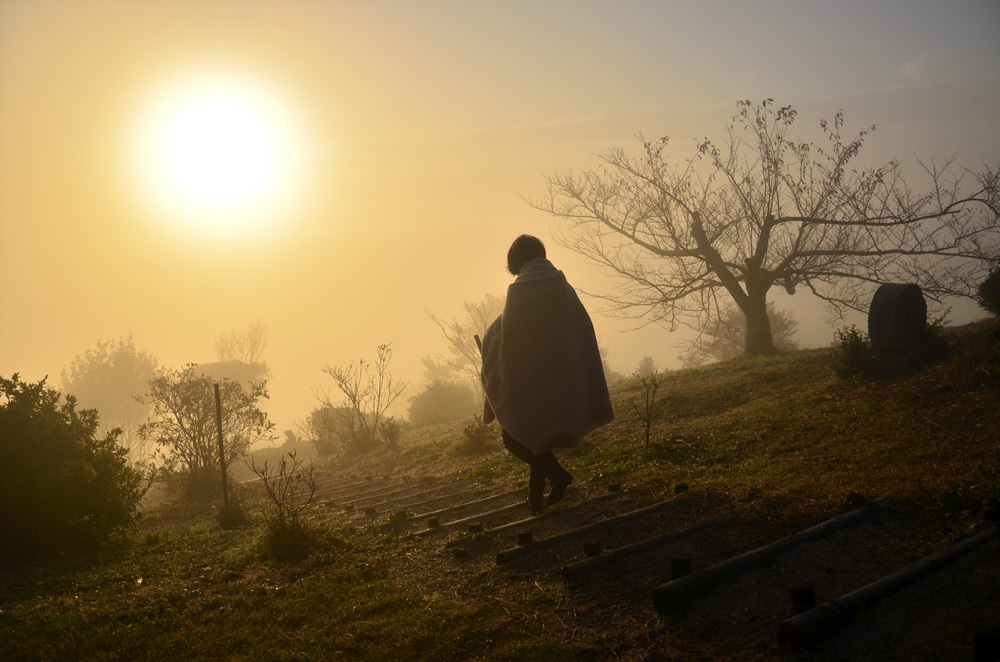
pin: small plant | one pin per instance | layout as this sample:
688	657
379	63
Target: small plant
651	408
852	353
390	430
290	487
478	436
152	538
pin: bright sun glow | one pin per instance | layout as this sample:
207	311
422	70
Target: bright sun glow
219	154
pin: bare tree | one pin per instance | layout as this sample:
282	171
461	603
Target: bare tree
369	389
767	209
245	346
463	357
724	336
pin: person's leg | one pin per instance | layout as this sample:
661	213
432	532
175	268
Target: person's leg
516	448
539	470
559	477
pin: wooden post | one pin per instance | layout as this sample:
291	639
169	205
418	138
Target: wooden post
222	449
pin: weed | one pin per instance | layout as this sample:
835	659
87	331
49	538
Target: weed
153	538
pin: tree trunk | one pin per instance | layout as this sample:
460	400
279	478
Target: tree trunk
758	337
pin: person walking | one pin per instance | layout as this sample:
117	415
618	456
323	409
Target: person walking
542	371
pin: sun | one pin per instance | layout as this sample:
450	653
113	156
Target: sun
218	153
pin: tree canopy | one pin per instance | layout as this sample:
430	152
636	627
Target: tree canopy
183	419
764	208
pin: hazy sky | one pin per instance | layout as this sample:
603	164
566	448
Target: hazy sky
418	130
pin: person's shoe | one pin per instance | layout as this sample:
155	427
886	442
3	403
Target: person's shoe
536	503
559	485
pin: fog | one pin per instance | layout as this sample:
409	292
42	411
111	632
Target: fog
419	131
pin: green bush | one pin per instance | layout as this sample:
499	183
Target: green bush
61	486
989	292
852	353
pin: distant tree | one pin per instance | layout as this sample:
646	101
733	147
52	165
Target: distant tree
646	367
331	429
369	390
240	356
62	485
183	422
442	401
722	339
245	346
611	375
727	224
462	356
434	370
108	379
237	371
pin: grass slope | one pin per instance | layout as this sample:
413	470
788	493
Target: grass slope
181	588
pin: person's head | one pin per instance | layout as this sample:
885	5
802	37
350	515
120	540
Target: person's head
523	249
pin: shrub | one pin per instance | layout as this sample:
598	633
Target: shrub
61	486
390	429
331	429
478	436
290	487
852	353
989	292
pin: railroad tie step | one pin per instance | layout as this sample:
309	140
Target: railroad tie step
671	597
816	624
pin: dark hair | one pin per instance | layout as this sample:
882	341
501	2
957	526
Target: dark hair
523	249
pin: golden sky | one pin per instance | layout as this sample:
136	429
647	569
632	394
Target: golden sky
419	129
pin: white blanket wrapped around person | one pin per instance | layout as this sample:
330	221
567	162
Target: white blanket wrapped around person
542	369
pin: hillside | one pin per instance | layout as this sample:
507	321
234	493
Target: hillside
746	453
